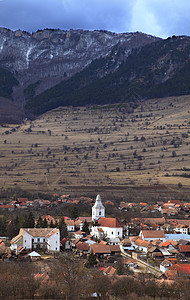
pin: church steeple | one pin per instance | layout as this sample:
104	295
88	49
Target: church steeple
98	210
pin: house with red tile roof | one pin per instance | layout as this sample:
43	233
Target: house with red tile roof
178	271
185	249
151	235
142	245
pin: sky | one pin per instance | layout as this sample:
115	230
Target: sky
161	18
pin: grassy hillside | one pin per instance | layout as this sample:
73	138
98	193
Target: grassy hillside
100	147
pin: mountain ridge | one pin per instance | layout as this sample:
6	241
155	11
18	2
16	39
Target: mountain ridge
53	67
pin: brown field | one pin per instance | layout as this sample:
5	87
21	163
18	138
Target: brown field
104	147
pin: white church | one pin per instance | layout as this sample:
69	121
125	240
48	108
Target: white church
103	227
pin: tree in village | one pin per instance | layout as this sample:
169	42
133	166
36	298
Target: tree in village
63	228
27	221
44	223
92	260
71	277
74	212
13	228
85	227
39	222
120	267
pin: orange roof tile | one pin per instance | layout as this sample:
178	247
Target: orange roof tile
109	222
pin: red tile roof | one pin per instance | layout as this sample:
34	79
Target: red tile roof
153	234
184	248
100	249
82	246
109	222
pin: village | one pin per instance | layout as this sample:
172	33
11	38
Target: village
159	246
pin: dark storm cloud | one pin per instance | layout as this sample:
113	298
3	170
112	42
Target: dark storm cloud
157	17
88	14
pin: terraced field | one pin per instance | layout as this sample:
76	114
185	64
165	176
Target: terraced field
103	147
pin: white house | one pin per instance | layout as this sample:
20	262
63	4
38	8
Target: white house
165	265
38	238
70	225
104	227
151	235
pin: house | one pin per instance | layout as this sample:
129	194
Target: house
165	265
179	271
82	248
155	252
185	249
37	238
130	262
104	227
181	228
100	251
66	244
141	245
177	237
16	243
126	245
151	235
70	225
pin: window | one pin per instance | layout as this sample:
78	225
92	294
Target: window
44	240
25	241
38	239
99	213
112	232
118	232
32	240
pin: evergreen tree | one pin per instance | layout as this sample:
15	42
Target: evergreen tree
31	221
63	228
92	260
39	222
85	227
74	213
44	223
52	225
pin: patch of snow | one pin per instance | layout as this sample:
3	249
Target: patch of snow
2	45
27	56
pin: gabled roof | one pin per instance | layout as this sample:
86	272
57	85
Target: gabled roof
156	234
142	243
100	249
109	222
34	254
16	239
115	248
125	242
82	246
40	232
110	271
184	248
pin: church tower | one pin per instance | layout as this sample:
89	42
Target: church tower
98	210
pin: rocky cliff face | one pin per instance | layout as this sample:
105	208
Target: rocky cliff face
47	57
